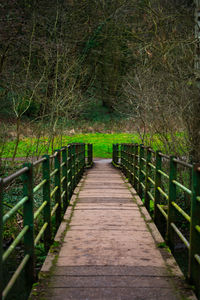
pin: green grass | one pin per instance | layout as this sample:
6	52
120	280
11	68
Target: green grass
102	144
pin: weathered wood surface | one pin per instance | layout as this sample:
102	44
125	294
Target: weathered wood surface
108	253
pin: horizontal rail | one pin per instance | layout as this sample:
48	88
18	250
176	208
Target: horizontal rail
38	211
164	155
161	173
164	174
39	186
15	275
63	194
197	227
53	173
197	257
162	211
15	209
181	236
180	162
142	185
182	187
15	243
54	190
68	164
39	161
162	192
63	178
181	211
151	165
54	209
38	237
151	180
151	196
10	178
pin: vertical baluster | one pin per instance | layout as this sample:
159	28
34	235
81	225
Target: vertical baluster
27	179
141	168
147	182
90	154
83	159
73	167
1	237
47	198
131	163
135	180
172	197
69	166
113	153
122	157
79	163
58	191
117	154
194	267
65	181
126	160
157	184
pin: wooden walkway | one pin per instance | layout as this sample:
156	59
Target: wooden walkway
108	253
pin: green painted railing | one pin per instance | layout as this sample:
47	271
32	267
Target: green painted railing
170	190
60	174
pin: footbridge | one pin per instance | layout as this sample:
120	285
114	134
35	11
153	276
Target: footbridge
107	245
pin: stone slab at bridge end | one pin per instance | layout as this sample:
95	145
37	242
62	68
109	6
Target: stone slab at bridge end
109	248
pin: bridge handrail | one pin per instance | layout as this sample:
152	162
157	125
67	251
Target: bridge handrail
146	170
67	164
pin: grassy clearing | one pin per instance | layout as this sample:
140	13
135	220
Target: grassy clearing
102	144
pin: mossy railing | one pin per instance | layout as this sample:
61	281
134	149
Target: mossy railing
170	190
58	176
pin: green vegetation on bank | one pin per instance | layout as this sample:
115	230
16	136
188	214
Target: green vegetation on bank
102	143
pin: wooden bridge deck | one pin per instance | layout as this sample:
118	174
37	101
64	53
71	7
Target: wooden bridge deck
108	251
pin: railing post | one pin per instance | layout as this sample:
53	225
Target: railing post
135	179
147	182
117	154
122	157
113	153
194	267
58	191
157	184
29	220
1	238
131	163
141	168
65	181
84	156
77	163
90	154
172	197
69	166
47	198
83	159
126	159
73	166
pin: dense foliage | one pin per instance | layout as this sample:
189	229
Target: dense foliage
100	60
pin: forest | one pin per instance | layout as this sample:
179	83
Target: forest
96	76
70	67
